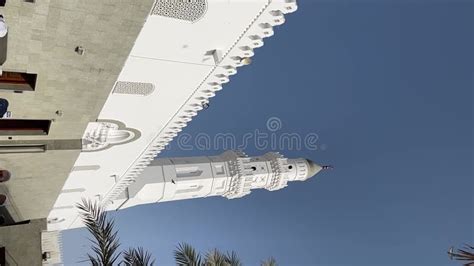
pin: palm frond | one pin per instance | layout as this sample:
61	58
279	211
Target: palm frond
105	240
186	255
464	254
269	262
137	257
128	257
215	258
232	259
93	260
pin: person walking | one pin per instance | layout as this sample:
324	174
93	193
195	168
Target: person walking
3	27
3	107
3	42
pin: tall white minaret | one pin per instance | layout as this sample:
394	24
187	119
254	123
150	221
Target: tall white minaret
231	174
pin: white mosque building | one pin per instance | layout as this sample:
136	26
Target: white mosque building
163	84
96	90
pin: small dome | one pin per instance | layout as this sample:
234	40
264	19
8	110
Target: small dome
313	168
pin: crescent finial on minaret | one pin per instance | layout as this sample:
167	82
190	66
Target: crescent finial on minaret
327	167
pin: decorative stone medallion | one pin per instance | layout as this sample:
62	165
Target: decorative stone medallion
104	134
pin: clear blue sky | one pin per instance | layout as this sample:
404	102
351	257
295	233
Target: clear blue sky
387	86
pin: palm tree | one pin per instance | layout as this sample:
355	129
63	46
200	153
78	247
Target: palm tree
269	262
464	254
105	245
137	257
232	259
105	242
217	258
186	255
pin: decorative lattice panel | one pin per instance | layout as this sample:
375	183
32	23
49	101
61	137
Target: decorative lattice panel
137	88
190	10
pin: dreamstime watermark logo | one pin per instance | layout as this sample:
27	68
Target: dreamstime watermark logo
274	124
274	138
